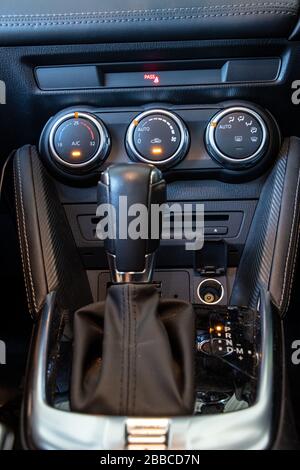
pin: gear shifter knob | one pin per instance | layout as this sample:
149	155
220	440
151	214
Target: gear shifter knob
123	186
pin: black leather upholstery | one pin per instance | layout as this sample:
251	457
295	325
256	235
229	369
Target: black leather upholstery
286	245
134	355
75	21
49	255
269	257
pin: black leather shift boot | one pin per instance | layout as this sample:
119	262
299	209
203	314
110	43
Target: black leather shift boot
134	355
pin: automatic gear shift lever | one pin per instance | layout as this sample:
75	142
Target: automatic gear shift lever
147	341
122	186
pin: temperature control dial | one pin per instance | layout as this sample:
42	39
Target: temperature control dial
78	140
158	137
237	136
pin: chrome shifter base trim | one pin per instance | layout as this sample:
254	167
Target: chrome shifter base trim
147	433
143	276
46	427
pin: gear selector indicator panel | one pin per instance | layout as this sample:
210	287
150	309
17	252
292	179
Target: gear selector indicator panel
227	358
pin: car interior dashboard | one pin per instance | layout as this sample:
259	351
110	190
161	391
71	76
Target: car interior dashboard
144	344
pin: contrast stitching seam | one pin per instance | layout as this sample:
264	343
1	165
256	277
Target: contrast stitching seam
293	272
290	241
289	248
286	5
21	245
275	185
25	233
21	22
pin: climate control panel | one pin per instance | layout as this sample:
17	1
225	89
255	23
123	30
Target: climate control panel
226	141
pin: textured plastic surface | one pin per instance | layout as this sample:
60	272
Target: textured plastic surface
168	73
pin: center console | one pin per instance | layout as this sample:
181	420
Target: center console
143	343
123	302
222	145
234	359
229	140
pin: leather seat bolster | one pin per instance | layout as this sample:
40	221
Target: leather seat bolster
286	246
49	256
269	257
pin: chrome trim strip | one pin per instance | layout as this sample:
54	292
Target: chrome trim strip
7	438
131	276
50	428
147	433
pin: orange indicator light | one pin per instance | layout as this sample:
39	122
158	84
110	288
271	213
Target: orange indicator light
156	150
213	124
76	154
219	328
76	115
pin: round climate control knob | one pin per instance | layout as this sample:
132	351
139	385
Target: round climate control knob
78	140
237	137
158	137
